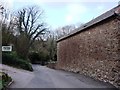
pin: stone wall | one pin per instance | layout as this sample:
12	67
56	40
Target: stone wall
94	52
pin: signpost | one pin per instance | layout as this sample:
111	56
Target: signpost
7	48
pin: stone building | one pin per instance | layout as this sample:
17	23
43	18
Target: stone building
94	48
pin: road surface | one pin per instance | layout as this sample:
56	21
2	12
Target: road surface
43	77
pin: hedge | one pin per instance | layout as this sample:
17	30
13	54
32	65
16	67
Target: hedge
13	60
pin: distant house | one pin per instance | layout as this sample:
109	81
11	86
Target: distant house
94	48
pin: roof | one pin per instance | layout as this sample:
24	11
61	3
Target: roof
100	18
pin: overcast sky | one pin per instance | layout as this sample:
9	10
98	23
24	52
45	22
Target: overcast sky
64	12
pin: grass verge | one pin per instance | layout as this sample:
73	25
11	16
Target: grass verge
4	80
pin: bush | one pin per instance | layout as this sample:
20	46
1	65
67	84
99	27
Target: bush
34	57
13	60
41	58
4	80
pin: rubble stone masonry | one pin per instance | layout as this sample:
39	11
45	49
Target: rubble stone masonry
94	51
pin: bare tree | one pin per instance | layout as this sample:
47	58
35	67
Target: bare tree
1	10
61	31
29	27
7	25
52	46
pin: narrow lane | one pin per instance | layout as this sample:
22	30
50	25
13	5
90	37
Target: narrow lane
44	77
63	79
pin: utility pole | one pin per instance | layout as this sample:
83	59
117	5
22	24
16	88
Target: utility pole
1	18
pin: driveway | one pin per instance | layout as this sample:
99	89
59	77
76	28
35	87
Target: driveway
43	77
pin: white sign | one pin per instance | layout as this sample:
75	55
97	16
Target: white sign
6	48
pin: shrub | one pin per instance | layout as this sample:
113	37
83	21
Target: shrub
33	56
40	57
44	56
4	80
13	60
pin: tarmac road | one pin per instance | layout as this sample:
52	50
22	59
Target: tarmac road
43	77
